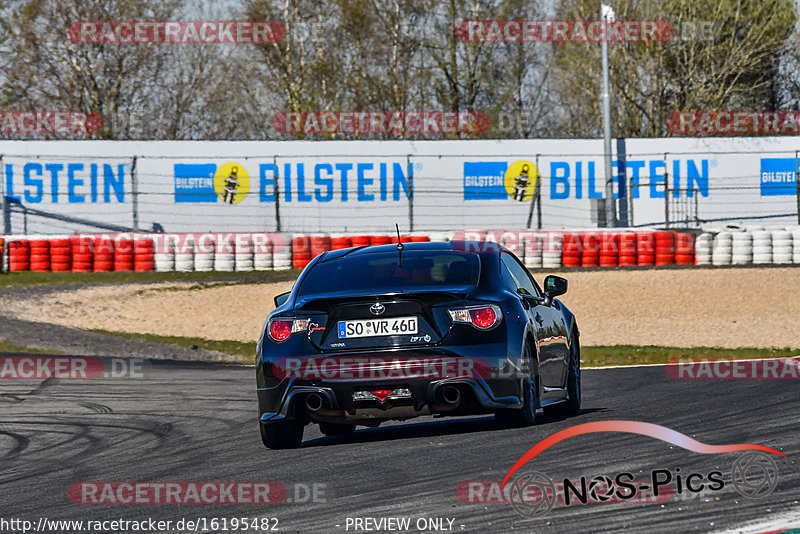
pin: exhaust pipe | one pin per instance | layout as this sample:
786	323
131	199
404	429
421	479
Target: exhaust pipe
451	395
314	402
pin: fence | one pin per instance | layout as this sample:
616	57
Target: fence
62	187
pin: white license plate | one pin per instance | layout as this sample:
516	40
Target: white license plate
393	326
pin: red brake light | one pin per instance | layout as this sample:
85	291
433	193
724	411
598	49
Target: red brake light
483	317
280	330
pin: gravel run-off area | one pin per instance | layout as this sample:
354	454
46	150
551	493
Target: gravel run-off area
748	307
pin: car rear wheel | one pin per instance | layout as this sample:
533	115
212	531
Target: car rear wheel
336	429
282	434
526	416
572	406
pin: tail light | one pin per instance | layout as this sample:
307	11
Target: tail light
281	329
481	317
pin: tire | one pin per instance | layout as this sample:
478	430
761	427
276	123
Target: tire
281	434
337	429
525	416
573	404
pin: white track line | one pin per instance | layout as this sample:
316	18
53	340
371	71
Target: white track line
686	363
786	521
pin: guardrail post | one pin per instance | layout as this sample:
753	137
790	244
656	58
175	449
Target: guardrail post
6	213
410	193
666	192
135	195
277	195
796	183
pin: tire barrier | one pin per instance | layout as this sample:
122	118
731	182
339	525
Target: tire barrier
103	255
61	255
264	252
19	256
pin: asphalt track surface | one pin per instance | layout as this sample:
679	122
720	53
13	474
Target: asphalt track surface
197	422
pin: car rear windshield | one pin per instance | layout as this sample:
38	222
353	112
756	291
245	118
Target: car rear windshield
383	270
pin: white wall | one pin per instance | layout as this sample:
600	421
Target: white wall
92	180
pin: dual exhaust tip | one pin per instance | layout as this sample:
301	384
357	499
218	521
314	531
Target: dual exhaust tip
450	395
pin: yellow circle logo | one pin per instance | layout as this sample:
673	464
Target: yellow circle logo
520	180
232	183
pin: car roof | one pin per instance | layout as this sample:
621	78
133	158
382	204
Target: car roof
458	246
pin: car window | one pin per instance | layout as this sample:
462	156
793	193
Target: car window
520	275
384	270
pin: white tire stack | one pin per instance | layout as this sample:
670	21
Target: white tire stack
762	246
184	255
224	255
244	259
703	247
439	236
532	251
262	254
796	245
551	249
204	253
782	247
722	252
282	255
164	256
742	248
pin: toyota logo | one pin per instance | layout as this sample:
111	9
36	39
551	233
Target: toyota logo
377	308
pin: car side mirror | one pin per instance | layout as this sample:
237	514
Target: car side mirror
554	286
280	299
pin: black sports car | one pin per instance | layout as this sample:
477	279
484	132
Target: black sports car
370	334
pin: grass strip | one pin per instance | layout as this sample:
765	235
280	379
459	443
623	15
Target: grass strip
29	278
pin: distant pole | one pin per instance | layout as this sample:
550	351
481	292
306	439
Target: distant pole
607	15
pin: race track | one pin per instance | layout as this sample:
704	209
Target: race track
197	422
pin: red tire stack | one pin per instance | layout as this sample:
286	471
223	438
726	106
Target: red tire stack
646	248
571	250
380	240
83	255
301	251
360	240
103	255
665	248
684	249
420	238
19	255
341	242
123	255
144	255
60	255
609	250
405	239
40	255
627	249
319	244
590	243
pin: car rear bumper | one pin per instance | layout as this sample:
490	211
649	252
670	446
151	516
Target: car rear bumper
427	397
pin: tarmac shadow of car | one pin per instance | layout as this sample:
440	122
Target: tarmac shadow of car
433	428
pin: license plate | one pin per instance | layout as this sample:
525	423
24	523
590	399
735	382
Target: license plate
393	326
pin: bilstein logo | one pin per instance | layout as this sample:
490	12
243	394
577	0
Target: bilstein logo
377	308
533	494
231	183
520	180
